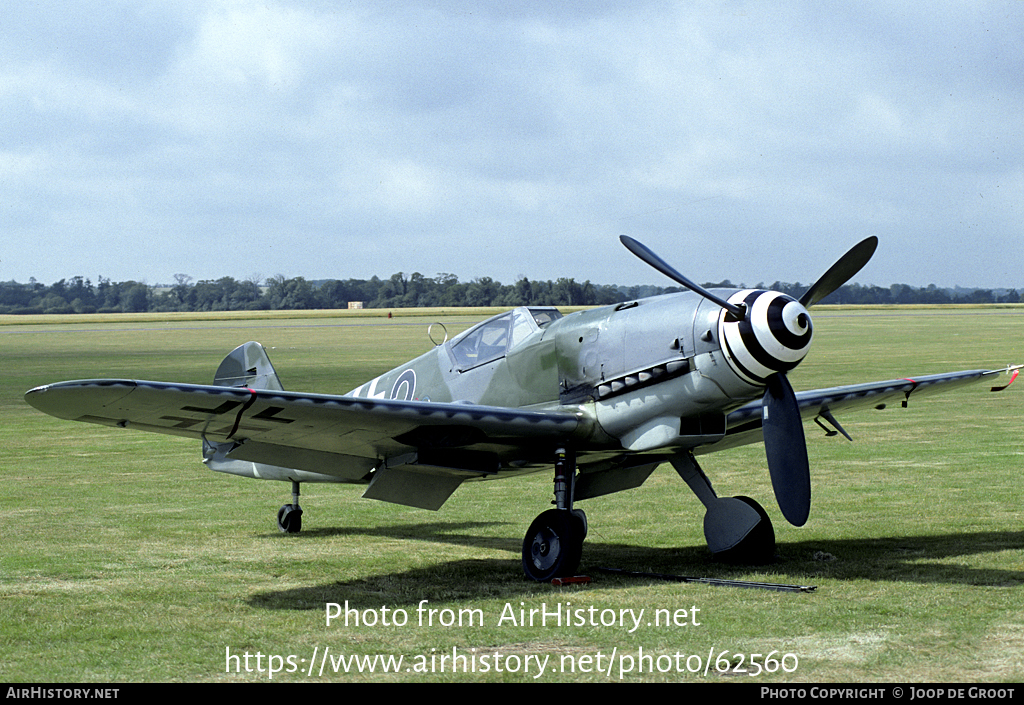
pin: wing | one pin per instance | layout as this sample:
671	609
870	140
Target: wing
342	437
411	452
744	424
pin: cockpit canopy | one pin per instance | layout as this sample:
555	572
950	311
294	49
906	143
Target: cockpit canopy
493	338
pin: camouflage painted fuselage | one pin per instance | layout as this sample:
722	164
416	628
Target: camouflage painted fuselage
649	373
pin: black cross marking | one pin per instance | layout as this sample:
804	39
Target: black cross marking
182	422
270	414
222	409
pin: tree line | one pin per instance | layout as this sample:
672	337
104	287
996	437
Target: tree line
80	295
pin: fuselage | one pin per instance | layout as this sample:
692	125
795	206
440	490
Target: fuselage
652	372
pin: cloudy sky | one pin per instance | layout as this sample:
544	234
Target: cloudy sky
751	141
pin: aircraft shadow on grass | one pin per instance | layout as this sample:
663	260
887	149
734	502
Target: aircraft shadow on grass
909	559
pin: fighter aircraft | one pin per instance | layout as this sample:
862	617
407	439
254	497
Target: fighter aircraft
602	396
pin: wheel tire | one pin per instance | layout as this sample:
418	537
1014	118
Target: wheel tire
757	547
553	546
580	517
289	519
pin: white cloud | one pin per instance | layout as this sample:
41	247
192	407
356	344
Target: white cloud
246	43
413	129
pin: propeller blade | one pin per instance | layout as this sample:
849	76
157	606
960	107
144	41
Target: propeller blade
644	253
786	449
840	272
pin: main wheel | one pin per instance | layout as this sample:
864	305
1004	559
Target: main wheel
289	519
758	546
553	546
581	522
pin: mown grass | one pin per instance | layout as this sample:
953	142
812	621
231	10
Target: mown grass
124	559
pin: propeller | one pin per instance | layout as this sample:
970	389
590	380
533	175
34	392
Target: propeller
786	449
762	329
645	253
841	272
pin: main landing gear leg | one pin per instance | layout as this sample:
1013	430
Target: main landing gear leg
737	529
289	517
554	541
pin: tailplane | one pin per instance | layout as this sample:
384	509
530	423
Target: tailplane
248	366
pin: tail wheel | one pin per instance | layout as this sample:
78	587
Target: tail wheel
289	519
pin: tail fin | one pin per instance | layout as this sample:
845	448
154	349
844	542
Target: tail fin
248	366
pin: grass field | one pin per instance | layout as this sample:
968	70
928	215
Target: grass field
123	559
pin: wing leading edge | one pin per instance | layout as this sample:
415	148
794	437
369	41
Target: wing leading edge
744	423
278	427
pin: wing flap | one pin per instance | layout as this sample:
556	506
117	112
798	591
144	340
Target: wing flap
423	490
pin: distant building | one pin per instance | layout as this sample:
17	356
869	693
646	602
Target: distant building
355	304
